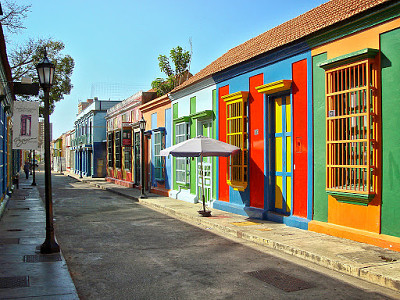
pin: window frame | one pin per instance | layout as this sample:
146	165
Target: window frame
118	149
184	179
352	103
237	134
110	149
158	159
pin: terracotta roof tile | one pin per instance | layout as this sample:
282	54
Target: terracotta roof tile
310	22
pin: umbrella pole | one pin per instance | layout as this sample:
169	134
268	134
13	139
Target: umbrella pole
202	183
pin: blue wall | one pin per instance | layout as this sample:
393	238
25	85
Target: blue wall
168	160
274	67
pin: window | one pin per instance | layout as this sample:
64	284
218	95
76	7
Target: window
236	134
118	149
26	125
137	156
182	164
352	128
128	158
158	159
90	138
110	152
127	144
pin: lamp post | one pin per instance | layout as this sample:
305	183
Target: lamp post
45	71
142	126
33	169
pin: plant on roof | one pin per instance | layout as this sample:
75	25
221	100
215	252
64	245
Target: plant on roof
181	60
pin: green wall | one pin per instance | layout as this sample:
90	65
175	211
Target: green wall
193	162
214	107
174	116
320	195
390	63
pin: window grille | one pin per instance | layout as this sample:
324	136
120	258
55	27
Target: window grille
110	144
118	149
158	159
182	164
236	134
127	158
137	156
352	127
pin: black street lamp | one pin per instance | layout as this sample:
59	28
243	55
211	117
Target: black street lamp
142	126
45	71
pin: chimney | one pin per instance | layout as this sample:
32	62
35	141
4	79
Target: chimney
82	106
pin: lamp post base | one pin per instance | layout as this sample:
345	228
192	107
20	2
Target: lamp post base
49	246
142	196
33	184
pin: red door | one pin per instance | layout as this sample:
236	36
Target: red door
256	139
299	90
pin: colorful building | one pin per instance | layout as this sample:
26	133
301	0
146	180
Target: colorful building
10	160
158	135
265	90
123	140
69	153
58	155
193	113
90	137
356	142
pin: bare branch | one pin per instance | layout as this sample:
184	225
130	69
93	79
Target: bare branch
14	16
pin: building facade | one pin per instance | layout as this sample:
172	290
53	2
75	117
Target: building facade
10	160
278	99
58	154
157	114
69	153
193	114
89	143
356	141
123	140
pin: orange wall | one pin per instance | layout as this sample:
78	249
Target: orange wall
352	215
366	39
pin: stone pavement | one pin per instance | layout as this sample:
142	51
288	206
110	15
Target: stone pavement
370	263
24	272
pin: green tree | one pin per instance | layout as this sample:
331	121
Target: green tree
181	60
23	61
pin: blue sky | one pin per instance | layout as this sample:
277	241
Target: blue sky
116	43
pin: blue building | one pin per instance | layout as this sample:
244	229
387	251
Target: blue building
10	160
89	142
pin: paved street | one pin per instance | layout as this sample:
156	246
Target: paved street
118	249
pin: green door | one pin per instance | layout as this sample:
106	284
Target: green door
204	128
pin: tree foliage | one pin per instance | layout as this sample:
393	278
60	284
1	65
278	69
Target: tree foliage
24	58
23	61
181	60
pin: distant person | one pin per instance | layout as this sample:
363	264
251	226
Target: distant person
27	166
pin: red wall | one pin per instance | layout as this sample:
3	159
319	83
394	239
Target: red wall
223	186
256	153
299	89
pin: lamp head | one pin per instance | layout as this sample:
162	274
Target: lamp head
142	124
45	71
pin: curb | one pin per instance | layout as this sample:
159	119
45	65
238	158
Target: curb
358	272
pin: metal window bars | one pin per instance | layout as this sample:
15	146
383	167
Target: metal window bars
352	127
237	135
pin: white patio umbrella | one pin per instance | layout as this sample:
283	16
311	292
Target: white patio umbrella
200	146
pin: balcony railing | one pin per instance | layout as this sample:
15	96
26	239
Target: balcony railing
81	140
